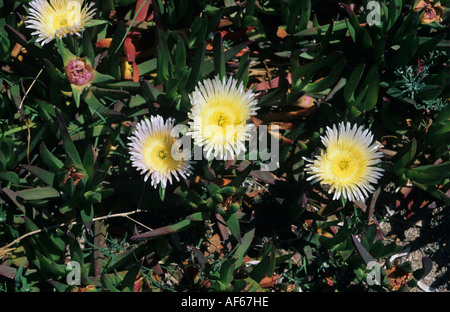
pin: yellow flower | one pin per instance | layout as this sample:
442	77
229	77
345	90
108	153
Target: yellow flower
156	153
346	164
219	114
58	18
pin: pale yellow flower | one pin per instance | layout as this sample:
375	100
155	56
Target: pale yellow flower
346	164
155	152
58	18
219	116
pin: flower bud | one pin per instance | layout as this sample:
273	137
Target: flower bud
79	72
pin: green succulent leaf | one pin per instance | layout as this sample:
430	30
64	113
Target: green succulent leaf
44	175
46	192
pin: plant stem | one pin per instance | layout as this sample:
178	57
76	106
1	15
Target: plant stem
124	215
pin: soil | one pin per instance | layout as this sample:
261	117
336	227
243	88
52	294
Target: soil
424	234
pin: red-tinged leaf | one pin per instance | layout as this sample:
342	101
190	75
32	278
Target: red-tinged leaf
373	202
224	33
269	281
223	229
305	101
7	271
150	16
163	230
257	121
190	273
229	163
279	136
13	196
254	193
104	43
224	22
18	36
362	251
265	85
130	50
236	35
281	33
138	284
265	176
198	216
135	72
352	16
222	181
242	52
179	226
100	244
141	11
361	205
201	259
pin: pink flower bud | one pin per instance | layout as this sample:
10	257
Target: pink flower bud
79	72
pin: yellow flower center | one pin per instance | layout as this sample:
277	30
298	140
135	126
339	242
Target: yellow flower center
221	121
343	165
225	111
162	154
60	21
224	119
223	125
158	155
220	118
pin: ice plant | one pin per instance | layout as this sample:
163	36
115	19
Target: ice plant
346	164
219	115
79	72
155	152
58	18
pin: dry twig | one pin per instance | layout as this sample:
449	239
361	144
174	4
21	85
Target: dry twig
4	249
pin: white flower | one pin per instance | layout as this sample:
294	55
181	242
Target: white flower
58	18
219	114
156	153
346	164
